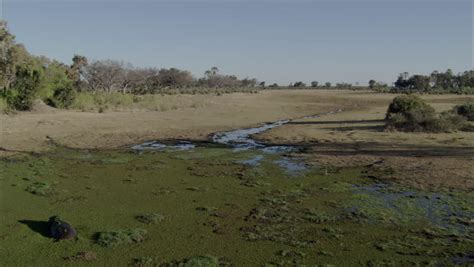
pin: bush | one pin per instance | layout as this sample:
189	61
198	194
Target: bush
413	114
409	112
466	110
63	97
23	91
445	122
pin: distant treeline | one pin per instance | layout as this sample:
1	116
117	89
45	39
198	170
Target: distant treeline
436	82
24	77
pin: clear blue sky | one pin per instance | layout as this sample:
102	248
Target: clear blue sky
274	41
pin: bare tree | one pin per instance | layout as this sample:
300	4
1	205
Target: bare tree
105	75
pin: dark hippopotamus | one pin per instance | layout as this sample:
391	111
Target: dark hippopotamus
59	229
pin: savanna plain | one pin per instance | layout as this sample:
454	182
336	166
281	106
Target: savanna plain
326	185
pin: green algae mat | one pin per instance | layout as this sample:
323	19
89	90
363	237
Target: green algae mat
213	206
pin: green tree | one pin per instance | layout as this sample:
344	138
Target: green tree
11	55
76	70
299	84
419	82
23	89
372	84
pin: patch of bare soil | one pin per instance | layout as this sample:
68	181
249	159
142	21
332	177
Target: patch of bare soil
40	107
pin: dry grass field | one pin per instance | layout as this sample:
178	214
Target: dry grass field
188	117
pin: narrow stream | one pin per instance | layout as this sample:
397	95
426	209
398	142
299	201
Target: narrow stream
241	140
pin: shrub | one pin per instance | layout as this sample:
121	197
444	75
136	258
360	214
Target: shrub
23	91
445	122
466	110
115	238
63	97
411	113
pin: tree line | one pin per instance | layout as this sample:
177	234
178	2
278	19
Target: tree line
24	76
436	82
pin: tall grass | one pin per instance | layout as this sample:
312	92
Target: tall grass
3	105
101	102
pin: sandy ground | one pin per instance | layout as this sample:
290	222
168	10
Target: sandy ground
353	137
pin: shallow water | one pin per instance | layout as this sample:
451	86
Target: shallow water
435	207
291	166
254	161
155	145
240	140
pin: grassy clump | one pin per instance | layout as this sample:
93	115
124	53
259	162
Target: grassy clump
150	218
3	106
82	256
312	215
411	113
466	110
115	238
143	261
40	189
197	261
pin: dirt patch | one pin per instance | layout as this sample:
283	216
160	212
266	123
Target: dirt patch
40	107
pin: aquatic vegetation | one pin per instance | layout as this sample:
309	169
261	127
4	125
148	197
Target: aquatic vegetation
40	189
206	209
209	198
115	238
197	261
315	216
150	218
142	261
82	256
